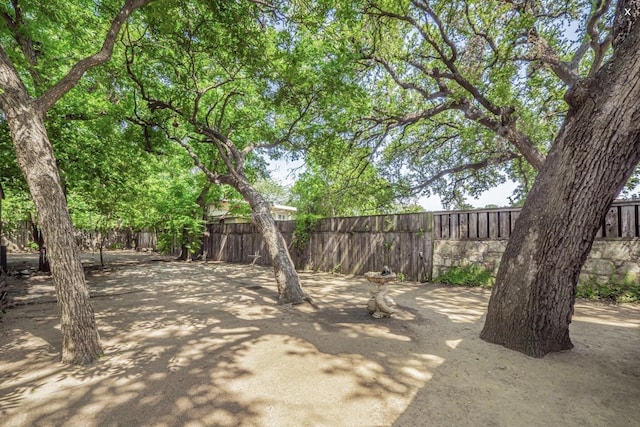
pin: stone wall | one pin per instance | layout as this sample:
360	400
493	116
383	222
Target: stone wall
607	257
448	253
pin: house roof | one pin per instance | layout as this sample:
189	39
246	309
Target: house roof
284	208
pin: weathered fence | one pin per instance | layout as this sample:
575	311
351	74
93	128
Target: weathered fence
418	245
22	238
477	224
424	245
350	245
481	236
621	222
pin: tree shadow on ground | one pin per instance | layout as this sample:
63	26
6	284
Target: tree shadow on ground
594	384
205	344
213	348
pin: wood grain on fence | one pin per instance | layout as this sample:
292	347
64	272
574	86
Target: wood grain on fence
352	245
355	245
621	222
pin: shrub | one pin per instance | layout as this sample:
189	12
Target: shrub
616	289
305	224
467	275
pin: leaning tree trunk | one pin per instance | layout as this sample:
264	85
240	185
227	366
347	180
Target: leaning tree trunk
594	155
25	116
80	340
287	279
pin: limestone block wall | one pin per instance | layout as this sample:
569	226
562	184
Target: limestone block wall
613	256
607	257
448	253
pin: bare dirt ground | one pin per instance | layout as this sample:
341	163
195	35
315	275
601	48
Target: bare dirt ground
205	345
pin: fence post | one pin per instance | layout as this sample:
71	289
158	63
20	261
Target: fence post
3	258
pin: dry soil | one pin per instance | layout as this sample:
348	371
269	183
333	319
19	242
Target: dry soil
204	344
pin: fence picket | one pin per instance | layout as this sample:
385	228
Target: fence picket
355	245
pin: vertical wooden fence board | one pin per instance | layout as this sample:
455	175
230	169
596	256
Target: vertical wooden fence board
222	249
372	260
325	255
505	224
437	226
494	224
473	225
628	217
454	226
406	250
483	222
372	248
445	226
464	226
611	223
427	256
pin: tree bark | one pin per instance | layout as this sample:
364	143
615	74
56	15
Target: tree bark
80	339
26	116
594	155
287	279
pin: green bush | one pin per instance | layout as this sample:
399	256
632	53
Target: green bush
305	224
467	275
616	289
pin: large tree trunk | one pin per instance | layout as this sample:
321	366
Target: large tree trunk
287	279
25	116
594	155
80	340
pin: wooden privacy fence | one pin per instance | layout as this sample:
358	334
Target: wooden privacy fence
352	245
22	238
621	222
355	245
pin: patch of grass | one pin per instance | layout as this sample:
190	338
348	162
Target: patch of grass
467	275
615	289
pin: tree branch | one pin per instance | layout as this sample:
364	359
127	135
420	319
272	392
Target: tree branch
509	131
302	113
441	28
411	118
547	55
599	48
51	96
213	177
466	167
25	43
504	123
403	84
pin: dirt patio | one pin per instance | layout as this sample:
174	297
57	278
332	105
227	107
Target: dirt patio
205	345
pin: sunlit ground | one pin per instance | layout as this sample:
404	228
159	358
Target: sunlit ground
205	345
